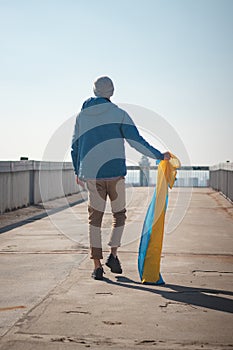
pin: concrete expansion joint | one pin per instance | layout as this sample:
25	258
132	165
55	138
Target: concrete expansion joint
83	251
198	255
101	342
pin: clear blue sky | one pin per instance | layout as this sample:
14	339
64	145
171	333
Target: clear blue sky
172	56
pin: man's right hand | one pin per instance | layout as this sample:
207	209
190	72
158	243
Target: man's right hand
80	182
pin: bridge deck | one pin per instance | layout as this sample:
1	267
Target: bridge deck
49	301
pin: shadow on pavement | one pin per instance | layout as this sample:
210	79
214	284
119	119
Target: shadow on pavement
38	216
202	297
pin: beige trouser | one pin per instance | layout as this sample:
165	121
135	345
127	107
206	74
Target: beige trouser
98	190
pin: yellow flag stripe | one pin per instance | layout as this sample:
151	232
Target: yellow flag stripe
166	177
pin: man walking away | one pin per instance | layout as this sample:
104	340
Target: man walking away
98	155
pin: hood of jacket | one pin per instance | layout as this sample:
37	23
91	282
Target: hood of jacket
96	106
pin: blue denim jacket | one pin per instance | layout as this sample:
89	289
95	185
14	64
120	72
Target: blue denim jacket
98	150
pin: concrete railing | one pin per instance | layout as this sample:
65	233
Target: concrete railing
221	179
24	183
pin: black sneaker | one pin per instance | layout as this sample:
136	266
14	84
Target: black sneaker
97	274
114	264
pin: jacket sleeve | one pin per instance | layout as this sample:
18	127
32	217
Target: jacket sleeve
75	148
131	134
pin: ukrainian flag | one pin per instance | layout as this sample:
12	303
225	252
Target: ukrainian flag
150	248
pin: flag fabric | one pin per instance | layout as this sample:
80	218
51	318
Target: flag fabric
150	248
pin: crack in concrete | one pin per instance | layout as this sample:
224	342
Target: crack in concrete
167	303
112	323
8	308
86	341
77	312
212	271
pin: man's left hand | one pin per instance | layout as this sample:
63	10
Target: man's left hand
80	182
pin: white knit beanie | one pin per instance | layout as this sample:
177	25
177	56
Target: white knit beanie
103	87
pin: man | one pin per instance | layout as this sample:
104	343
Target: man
98	156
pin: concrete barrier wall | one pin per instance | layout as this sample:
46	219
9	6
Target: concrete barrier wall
221	179
24	183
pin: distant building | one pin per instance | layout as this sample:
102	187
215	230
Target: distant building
144	165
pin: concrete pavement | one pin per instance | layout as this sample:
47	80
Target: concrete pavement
49	301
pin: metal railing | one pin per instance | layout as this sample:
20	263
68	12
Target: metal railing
187	176
221	179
